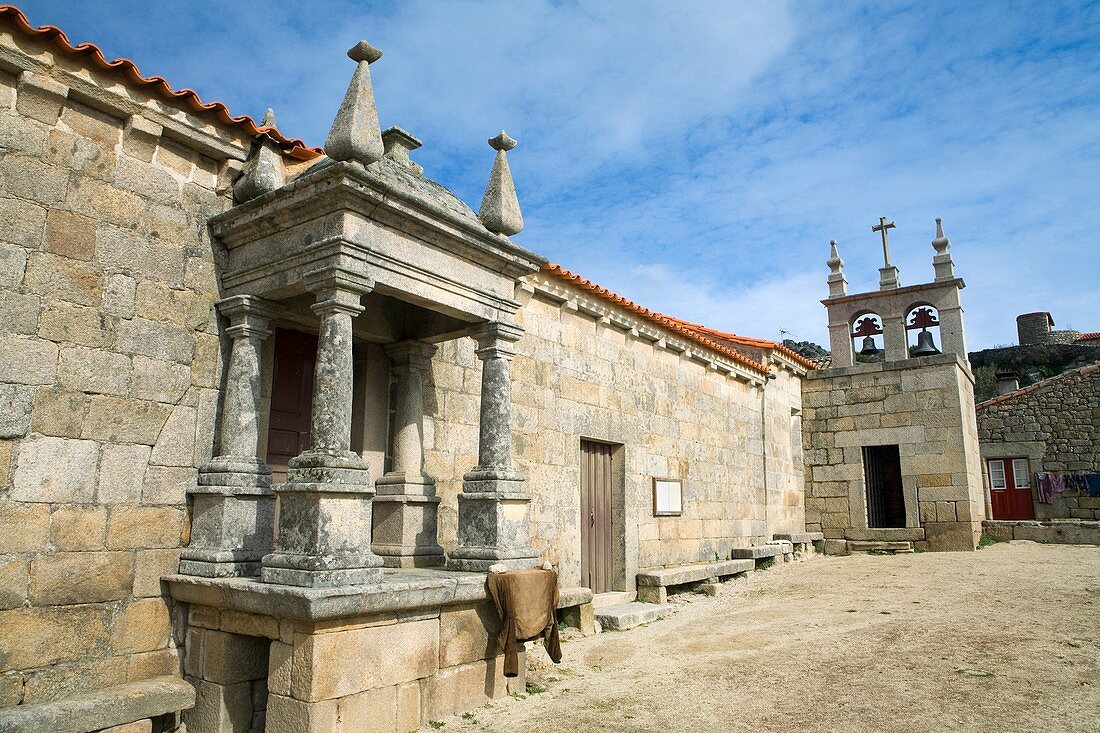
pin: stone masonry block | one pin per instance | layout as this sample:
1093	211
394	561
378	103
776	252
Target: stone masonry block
84	369
343	663
39	637
142	626
67	578
14	581
58	412
122	473
287	715
70	235
458	689
144	527
55	470
229	658
467	634
23	527
369	712
175	446
16	402
149	567
78	527
27	360
123	420
221	708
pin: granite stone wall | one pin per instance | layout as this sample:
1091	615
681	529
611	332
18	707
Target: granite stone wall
580	374
109	367
1055	424
926	407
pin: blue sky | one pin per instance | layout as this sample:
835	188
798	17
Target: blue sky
698	157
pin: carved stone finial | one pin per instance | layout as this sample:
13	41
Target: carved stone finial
398	144
942	262
355	134
500	211
263	169
838	284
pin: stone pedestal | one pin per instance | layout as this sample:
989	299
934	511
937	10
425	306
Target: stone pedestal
233	504
494	504
406	506
323	533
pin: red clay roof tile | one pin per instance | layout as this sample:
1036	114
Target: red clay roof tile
129	70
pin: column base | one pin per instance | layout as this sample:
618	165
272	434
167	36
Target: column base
232	527
405	530
235	471
492	525
323	537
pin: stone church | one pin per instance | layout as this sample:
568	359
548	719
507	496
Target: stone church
268	413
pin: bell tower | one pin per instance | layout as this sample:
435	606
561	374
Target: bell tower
892	441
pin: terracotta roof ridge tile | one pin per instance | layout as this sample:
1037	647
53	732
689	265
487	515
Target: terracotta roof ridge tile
672	324
1042	384
758	343
1087	336
291	146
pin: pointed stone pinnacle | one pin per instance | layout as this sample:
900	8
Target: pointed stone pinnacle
269	118
502	142
363	51
500	211
834	262
263	170
941	243
939	228
355	134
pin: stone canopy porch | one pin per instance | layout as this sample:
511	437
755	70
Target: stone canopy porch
360	248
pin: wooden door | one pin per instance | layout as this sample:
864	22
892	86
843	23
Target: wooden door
596	480
291	398
1010	488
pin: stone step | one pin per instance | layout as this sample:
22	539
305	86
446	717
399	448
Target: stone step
613	598
801	538
879	546
884	534
628	615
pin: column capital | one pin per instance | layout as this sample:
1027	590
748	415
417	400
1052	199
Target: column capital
495	339
248	315
411	354
337	290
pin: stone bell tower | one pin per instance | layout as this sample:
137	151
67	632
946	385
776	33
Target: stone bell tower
889	427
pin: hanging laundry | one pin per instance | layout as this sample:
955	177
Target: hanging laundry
1057	483
1092	484
1044	487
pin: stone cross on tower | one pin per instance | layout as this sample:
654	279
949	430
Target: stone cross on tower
888	274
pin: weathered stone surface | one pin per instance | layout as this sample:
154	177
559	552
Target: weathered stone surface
58	412
56	470
70	235
160	381
123	420
23	527
14	579
287	715
369	712
22	311
467	686
27	360
150	566
77	528
167	342
64	279
756	552
175	446
61	681
72	324
142	626
122	473
144	527
35	637
15	410
25	224
230	658
343	663
101	709
220	708
467	634
118	296
629	615
93	370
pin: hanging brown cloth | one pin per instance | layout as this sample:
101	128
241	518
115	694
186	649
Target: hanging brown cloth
527	601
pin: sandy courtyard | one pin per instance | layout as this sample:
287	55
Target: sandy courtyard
1006	639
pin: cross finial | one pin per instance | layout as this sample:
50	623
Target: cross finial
883	226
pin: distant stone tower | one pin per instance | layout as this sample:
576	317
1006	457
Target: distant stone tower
891	438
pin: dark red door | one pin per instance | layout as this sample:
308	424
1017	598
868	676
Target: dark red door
1010	488
291	398
596	534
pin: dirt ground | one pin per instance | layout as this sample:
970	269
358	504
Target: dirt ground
1005	639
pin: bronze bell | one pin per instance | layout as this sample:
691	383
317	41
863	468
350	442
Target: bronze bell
925	345
869	348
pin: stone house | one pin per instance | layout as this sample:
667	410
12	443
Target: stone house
268	412
1049	426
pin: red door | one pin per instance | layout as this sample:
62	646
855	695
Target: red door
291	398
1010	488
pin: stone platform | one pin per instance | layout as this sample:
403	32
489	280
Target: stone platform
1055	531
628	615
420	645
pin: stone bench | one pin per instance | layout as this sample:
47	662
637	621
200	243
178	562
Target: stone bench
134	702
804	542
575	609
764	555
653	585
